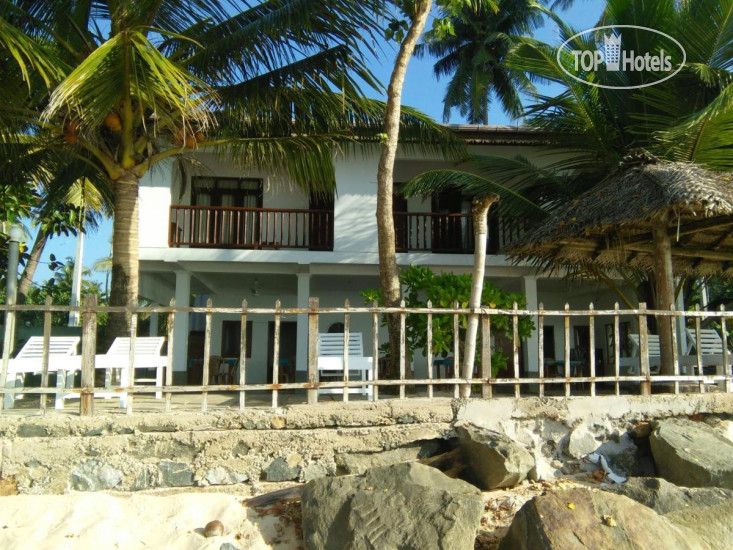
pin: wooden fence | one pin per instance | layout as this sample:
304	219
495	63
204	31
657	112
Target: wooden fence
565	379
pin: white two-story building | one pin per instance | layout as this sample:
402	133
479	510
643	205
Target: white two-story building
230	235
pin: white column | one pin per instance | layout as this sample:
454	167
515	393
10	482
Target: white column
180	325
532	343
301	354
153	324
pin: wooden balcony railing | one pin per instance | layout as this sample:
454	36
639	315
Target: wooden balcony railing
257	228
450	233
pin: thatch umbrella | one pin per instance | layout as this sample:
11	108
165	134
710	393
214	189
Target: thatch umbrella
663	217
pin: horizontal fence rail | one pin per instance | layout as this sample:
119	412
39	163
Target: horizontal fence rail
570	370
256	228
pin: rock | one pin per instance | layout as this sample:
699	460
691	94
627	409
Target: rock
281	469
228	546
582	441
277	423
224	476
712	524
627	458
664	497
214	529
358	463
581	518
32	430
692	454
175	474
93	475
406	506
314	470
493	459
640	430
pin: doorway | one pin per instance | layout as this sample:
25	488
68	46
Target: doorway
286	353
320	224
448	224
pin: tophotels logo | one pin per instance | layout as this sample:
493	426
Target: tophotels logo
610	65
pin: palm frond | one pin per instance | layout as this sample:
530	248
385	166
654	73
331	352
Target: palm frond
96	86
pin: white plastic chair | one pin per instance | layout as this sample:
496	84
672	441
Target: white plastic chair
711	348
146	356
331	361
630	365
63	359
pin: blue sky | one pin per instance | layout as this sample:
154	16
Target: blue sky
421	90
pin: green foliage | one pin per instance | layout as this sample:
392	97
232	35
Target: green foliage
443	291
58	287
470	40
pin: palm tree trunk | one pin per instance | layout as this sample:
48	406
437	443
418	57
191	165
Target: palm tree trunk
24	286
125	260
665	292
479	213
388	272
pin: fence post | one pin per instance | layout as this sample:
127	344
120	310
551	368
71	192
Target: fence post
169	364
486	391
313	350
375	350
403	367
567	351
728	387
88	350
207	357
429	348
47	321
347	329
592	349
646	385
276	354
541	348
515	347
243	354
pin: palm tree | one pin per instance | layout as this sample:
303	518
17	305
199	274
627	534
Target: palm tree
686	118
473	55
150	80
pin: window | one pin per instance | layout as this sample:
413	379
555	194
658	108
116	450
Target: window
230	338
219	220
242	192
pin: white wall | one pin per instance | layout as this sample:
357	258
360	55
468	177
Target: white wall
155	201
355	222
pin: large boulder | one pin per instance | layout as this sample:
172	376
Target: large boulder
358	463
712	524
582	518
664	497
406	506
493	460
692	454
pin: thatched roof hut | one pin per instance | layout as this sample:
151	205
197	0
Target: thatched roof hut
663	217
611	224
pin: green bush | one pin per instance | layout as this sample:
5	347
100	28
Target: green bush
421	285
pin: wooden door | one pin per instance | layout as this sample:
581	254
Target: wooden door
320	225
447	234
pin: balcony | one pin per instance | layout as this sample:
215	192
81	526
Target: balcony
250	228
450	233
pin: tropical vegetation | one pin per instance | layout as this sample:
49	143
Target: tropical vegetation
275	84
686	118
444	290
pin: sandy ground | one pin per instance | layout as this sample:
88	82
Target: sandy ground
94	521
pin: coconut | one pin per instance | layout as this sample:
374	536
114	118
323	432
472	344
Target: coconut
113	122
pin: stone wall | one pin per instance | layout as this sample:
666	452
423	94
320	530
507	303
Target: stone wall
56	454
